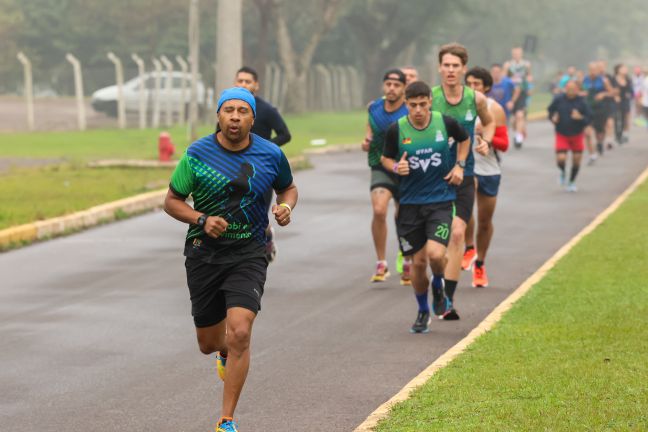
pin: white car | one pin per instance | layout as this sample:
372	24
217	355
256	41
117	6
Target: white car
105	99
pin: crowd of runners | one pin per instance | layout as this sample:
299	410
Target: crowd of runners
432	151
436	152
593	109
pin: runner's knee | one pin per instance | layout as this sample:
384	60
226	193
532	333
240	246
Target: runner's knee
380	211
458	234
238	337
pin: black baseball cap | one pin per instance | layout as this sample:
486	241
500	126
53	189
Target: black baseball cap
394	74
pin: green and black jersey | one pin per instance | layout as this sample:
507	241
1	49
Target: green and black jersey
379	121
429	155
230	185
465	112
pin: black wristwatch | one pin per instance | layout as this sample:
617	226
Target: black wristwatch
202	219
461	163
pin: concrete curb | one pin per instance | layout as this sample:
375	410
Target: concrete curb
96	215
54	227
131	163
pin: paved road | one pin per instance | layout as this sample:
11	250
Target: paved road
95	332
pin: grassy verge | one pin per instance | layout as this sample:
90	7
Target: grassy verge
571	355
335	128
35	194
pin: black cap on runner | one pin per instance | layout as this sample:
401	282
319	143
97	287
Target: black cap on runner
395	74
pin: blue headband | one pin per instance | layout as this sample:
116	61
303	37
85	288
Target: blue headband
237	93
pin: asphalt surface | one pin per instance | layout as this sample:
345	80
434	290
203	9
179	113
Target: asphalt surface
96	333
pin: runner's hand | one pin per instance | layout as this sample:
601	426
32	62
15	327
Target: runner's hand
576	115
556	118
215	226
482	146
455	176
509	106
365	144
403	166
281	214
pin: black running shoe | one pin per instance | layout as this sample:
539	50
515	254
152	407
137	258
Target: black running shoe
450	315
422	323
440	302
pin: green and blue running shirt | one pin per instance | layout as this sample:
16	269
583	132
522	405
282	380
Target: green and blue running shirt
379	121
465	112
230	185
429	155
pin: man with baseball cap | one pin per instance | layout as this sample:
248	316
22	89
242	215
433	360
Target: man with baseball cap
383	112
227	174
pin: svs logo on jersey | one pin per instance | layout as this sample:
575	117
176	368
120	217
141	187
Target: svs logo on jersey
424	163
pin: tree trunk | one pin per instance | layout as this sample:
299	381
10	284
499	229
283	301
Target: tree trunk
261	59
296	65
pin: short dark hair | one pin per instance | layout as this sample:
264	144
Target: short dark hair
499	65
456	50
417	89
249	70
481	74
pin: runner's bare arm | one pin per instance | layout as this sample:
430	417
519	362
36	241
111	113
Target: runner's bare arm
367	138
487	120
456	174
286	202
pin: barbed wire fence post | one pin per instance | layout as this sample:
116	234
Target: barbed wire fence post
29	89
119	78
168	105
78	90
183	88
156	92
141	89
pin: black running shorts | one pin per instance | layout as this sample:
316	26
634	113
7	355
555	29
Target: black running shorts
521	102
381	178
465	198
416	224
214	288
599	120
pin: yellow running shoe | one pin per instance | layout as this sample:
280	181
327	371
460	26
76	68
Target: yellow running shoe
220	365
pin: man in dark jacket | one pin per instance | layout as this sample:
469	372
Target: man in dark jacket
570	114
267	120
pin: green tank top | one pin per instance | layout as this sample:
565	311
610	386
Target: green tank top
465	112
430	160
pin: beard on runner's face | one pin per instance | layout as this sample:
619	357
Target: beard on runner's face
393	93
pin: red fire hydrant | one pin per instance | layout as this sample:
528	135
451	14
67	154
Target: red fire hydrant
165	147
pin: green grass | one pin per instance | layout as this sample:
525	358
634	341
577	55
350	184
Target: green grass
35	194
572	355
336	128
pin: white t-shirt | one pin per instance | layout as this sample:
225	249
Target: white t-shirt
644	96
489	164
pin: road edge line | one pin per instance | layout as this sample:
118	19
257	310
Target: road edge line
494	317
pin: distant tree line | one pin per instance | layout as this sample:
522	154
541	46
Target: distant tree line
371	35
